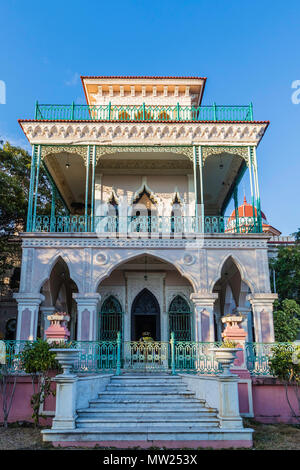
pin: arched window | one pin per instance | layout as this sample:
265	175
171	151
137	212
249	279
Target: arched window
176	216
110	319
112	215
145	214
180	319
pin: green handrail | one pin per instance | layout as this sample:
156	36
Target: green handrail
143	112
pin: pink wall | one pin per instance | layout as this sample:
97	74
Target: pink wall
21	409
269	401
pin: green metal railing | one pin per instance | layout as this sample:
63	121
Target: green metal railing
144	224
259	354
109	112
174	356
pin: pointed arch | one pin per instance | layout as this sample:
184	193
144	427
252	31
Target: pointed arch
64	257
180	319
114	264
145	315
239	267
110	319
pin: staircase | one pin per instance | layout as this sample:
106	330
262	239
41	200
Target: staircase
144	411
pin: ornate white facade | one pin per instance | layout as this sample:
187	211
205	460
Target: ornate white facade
121	181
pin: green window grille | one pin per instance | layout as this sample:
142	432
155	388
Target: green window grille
110	319
180	318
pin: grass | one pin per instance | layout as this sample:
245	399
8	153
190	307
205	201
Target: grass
266	437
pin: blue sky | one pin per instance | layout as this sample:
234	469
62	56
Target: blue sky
248	50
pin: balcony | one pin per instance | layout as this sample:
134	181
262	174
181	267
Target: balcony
142	113
148	225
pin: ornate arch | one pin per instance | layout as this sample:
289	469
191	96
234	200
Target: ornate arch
240	268
128	257
65	258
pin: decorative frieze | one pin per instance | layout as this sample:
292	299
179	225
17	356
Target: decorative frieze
184	133
143	243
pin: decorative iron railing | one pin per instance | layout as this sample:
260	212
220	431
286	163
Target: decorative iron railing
143	112
258	356
152	355
143	224
96	356
191	356
179	356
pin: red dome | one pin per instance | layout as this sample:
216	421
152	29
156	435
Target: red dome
246	210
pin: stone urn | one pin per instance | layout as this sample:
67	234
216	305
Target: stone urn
66	358
225	357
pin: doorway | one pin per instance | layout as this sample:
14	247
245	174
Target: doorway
145	316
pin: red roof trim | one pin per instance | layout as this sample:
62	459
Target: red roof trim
148	122
140	76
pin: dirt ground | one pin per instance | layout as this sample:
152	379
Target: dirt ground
266	437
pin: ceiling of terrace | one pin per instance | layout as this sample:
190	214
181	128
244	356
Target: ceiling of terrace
219	172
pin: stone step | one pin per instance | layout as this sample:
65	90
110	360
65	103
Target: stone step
147	388
148	393
116	413
147	424
133	403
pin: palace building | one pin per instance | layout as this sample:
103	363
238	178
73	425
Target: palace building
144	173
138	241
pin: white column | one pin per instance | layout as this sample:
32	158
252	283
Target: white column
229	413
65	412
204	316
28	311
262	307
87	316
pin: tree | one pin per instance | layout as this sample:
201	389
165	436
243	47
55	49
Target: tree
286	320
287	272
285	365
38	361
15	164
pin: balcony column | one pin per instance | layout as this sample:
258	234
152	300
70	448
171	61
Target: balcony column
87	316
31	187
262	307
28	311
198	188
256	187
236	209
87	171
93	189
204	316
251	181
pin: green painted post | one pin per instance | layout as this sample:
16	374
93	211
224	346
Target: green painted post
53	201
172	342
93	188
87	167
36	110
118	369
144	114
236	209
109	110
36	186
201	188
72	110
31	188
251	111
178	112
215	111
